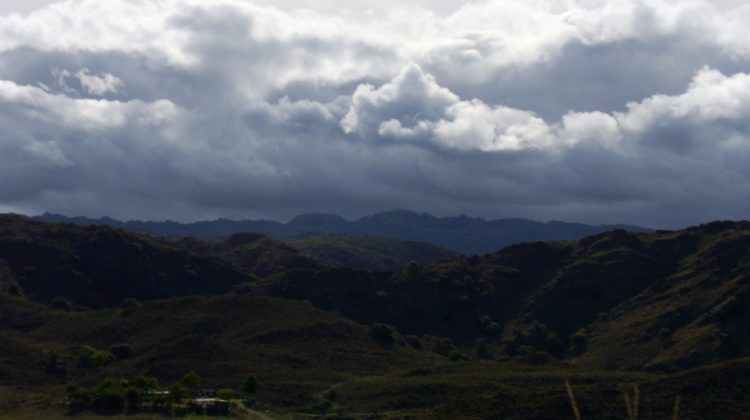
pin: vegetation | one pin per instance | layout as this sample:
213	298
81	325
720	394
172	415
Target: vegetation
367	252
498	335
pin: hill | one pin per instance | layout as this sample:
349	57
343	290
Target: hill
99	266
315	364
253	253
223	338
463	234
479	336
368	252
673	299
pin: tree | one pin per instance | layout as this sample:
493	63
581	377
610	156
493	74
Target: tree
413	271
225	393
382	333
250	384
191	380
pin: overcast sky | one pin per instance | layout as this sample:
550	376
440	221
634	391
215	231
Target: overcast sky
581	110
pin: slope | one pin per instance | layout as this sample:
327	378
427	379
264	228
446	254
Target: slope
368	252
100	266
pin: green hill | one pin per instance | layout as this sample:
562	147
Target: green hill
673	299
368	252
99	266
466	337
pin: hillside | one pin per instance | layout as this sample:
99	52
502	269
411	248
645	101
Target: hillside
367	252
252	253
479	336
43	349
170	338
463	234
100	266
673	299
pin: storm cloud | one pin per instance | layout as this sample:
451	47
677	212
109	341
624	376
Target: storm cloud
580	110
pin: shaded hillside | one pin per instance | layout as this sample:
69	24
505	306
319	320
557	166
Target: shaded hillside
253	253
463	234
294	350
368	252
312	362
699	313
101	266
672	299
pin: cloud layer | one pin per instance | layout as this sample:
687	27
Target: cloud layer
587	110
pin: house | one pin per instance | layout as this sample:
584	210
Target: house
210	405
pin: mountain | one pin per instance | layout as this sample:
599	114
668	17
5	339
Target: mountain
368	252
463	234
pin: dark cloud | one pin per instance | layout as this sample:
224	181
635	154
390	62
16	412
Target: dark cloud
623	112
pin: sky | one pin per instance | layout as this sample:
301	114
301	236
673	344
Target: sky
595	111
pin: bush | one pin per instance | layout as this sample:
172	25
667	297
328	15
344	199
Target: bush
225	393
322	407
129	306
413	341
481	350
413	271
61	303
91	358
108	399
456	355
443	346
121	351
191	380
78	398
176	393
52	364
536	357
250	384
578	342
145	382
383	333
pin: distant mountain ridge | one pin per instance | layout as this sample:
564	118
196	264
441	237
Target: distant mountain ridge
464	234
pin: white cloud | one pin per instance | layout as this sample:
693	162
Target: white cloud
602	111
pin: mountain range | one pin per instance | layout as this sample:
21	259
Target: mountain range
463	234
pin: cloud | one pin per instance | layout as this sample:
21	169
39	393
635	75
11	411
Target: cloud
595	111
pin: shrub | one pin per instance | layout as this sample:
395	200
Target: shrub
121	351
145	382
52	364
665	337
383	333
191	380
78	398
481	350
322	407
225	393
443	346
176	392
250	384
61	303
413	341
413	271
129	306
578	342
91	358
456	355
108	399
